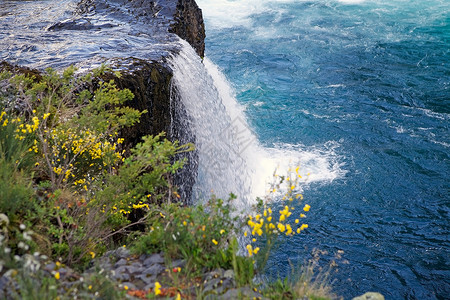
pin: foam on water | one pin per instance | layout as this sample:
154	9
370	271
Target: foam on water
320	162
230	157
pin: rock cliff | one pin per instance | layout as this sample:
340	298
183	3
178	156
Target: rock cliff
133	36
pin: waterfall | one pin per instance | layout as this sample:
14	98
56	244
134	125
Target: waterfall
219	139
228	157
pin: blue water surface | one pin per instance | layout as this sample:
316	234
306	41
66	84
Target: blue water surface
373	77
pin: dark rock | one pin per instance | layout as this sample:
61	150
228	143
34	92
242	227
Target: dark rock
129	285
154	259
179	263
211	285
120	274
122	252
120	262
153	270
147	278
189	25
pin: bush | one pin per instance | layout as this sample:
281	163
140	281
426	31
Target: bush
84	188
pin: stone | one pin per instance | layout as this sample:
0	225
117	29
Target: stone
179	263
370	296
229	274
154	259
120	262
122	252
213	274
153	270
130	285
135	267
147	278
211	285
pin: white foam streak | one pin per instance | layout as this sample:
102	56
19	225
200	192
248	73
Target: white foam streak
230	156
321	163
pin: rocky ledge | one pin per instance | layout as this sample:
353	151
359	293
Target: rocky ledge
134	37
136	276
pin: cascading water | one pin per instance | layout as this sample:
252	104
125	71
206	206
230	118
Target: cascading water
230	158
221	169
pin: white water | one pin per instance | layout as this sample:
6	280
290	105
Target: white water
230	156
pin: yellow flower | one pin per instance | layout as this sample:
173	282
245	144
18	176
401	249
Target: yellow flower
307	207
282	218
296	221
250	250
157	288
57	275
304	226
214	241
184	223
125	287
245	233
90	287
281	227
288	229
178	297
222	231
253	240
255	251
302	216
92	254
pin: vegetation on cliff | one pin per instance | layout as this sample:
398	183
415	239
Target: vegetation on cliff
70	190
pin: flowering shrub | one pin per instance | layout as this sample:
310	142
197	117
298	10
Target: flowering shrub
265	226
199	234
69	128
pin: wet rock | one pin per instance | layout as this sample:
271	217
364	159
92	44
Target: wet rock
370	296
189	25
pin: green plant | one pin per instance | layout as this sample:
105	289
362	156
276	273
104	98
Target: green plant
203	235
86	188
15	168
265	226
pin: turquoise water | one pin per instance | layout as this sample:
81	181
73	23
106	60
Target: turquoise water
367	81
